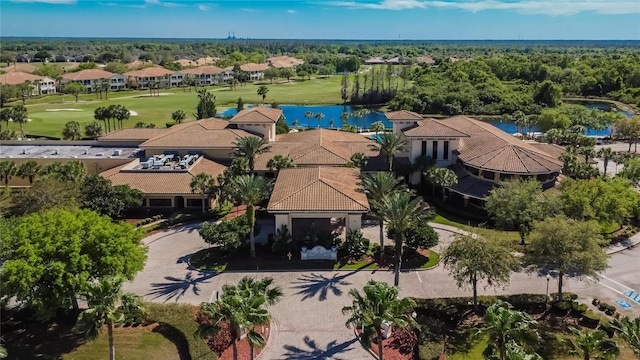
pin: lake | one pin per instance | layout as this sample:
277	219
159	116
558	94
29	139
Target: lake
294	114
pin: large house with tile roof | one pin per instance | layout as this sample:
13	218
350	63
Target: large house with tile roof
143	77
206	75
92	78
41	85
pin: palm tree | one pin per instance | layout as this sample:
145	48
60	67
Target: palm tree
308	115
400	210
606	154
377	127
361	114
280	162
102	299
629	331
250	190
202	184
331	123
389	144
319	116
503	325
588	152
100	113
344	117
262	91
421	164
377	187
19	115
178	116
5	115
30	169
243	306
249	147
8	169
380	304
591	345
443	177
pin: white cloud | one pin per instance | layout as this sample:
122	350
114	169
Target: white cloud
291	11
55	2
162	3
204	7
547	7
249	10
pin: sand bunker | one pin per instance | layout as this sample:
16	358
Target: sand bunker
63	110
133	113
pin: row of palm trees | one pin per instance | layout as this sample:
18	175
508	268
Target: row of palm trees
17	114
9	169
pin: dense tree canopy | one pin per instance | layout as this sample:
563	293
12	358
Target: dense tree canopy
51	256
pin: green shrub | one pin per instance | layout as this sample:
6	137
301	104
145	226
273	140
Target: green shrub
566	296
430	350
356	244
589	318
579	308
562	306
170	124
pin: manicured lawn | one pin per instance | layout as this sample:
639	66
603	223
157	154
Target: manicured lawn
507	236
158	109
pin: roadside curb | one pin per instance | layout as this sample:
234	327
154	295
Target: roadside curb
623	248
273	331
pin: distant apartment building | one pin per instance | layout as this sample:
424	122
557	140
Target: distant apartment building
40	85
280	62
206	75
255	71
92	78
144	77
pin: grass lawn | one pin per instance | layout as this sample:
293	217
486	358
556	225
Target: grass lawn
507	236
158	109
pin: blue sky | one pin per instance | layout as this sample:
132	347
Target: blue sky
365	19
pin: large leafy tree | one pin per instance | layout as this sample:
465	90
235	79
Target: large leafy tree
606	201
8	169
629	331
442	177
93	130
107	305
45	194
75	89
280	162
99	195
631	171
504	326
30	170
516	205
389	144
242	306
591	345
206	107
379	303
377	187
401	210
52	256
251	190
249	147
70	171
202	184
472	258
567	246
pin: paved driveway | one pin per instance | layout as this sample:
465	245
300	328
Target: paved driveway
309	323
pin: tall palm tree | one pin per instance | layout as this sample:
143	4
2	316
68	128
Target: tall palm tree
178	116
202	184
629	331
100	113
103	300
377	127
377	187
249	147
389	144
8	169
400	210
361	114
280	162
308	115
606	154
19	115
319	116
262	91
503	325
378	304
6	115
250	190
30	170
591	345
331	123
344	117
442	177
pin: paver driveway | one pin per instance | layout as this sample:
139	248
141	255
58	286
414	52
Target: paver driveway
309	322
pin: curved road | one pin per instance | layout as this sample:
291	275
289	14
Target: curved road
309	323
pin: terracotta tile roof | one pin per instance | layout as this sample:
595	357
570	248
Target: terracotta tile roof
19	67
18	77
254	67
162	182
133	134
375	60
257	115
488	147
432	128
552	150
203	70
284	61
137	64
425	60
89	74
318	189
202	134
153	71
187	62
206	60
318	147
403	115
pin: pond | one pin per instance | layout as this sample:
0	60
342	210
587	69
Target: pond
295	116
